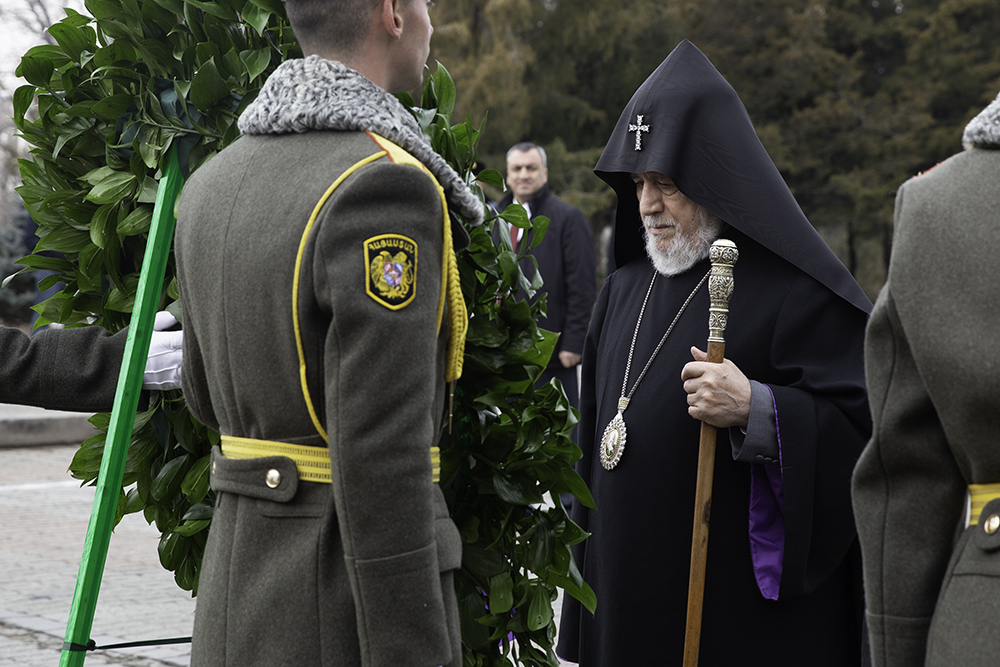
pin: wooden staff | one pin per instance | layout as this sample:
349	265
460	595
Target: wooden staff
720	287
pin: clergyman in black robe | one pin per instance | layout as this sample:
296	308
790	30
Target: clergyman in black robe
783	582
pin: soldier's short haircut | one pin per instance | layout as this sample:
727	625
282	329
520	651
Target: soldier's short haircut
526	146
323	25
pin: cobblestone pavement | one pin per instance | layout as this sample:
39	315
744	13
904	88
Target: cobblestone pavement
43	523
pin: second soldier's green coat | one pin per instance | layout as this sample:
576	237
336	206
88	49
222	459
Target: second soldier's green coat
931	580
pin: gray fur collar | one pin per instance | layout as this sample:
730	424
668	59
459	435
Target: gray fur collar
983	131
317	94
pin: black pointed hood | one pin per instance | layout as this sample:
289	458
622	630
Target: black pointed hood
695	129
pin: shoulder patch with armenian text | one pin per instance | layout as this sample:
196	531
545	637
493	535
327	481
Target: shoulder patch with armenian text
392	270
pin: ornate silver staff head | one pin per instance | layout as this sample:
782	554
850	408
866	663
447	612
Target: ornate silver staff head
723	256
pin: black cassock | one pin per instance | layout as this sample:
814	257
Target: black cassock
796	325
791	333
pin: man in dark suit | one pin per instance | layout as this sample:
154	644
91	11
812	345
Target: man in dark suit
565	259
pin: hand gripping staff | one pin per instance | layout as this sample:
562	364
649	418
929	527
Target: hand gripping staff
109	480
723	255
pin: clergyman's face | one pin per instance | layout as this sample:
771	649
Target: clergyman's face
415	43
678	231
665	211
525	174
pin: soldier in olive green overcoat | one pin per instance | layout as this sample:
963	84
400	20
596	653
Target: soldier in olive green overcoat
323	317
927	487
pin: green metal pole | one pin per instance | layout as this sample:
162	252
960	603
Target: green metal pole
109	480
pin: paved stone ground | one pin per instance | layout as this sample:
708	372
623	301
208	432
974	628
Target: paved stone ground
43	523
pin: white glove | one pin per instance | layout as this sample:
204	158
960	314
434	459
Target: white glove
163	366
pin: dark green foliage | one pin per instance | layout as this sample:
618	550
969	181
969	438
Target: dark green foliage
113	95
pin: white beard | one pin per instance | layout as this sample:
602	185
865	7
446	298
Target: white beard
685	250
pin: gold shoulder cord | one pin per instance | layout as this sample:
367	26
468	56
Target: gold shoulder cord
458	317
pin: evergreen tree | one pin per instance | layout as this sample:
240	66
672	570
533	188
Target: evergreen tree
850	97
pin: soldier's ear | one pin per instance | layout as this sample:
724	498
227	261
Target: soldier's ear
391	17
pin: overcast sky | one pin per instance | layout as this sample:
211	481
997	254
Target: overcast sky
16	37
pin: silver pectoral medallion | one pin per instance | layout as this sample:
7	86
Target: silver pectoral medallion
613	442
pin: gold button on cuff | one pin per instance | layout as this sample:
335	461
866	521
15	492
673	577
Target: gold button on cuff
992	524
273	478
213	467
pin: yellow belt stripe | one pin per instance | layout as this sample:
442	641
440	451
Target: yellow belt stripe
980	494
435	464
313	463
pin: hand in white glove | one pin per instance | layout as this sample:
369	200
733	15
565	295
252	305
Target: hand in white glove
163	366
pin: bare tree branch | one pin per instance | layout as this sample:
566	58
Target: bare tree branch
34	16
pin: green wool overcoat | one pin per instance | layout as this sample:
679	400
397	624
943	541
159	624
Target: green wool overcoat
932	585
310	271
